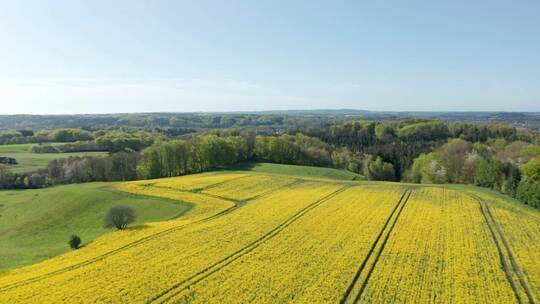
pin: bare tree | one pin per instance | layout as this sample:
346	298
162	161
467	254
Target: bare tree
119	217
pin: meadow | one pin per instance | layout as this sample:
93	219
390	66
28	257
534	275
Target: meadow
36	224
262	237
297	171
27	161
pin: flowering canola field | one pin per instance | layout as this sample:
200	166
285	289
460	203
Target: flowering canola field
263	238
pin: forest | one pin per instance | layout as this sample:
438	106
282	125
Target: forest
496	156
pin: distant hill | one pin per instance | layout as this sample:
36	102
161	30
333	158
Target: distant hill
196	121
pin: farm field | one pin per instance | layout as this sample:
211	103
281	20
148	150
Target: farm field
274	238
28	161
298	171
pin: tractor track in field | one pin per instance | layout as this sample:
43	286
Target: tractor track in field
511	267
177	288
237	204
237	201
295	183
348	296
226	181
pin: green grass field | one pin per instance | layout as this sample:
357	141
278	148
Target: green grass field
28	161
300	171
36	224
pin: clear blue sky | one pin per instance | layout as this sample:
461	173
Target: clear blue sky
149	56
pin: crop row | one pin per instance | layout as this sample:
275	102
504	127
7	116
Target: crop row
270	239
205	207
141	272
311	261
440	251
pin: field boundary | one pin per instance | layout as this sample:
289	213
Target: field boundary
296	181
113	189
355	283
511	268
177	288
237	205
224	182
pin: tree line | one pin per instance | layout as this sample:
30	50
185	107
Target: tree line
423	151
109	141
512	168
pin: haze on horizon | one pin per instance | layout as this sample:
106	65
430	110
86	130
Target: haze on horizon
64	57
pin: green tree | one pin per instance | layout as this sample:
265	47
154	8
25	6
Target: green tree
452	156
424	131
119	217
488	173
482	149
532	168
376	169
427	169
512	179
346	159
385	132
528	192
150	165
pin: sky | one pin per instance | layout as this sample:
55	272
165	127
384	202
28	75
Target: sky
64	57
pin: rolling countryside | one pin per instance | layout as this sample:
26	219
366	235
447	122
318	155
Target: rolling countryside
269	152
273	238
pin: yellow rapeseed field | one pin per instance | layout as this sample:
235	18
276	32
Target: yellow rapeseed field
439	251
311	261
521	228
249	187
194	182
141	272
264	238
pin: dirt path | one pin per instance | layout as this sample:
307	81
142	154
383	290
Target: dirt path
508	262
356	287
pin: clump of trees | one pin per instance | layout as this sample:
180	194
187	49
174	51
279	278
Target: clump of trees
202	153
298	149
15	137
10	180
119	166
56	135
376	169
111	141
528	190
66	135
115	141
396	143
8	160
119	217
508	167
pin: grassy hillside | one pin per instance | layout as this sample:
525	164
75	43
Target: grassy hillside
36	224
28	161
300	171
269	238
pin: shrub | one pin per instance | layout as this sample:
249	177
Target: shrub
74	241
